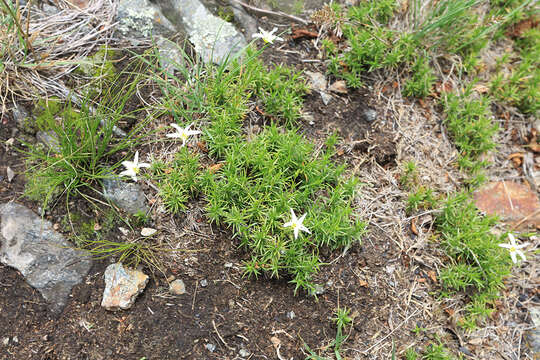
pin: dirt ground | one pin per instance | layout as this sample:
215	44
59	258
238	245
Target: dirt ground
389	281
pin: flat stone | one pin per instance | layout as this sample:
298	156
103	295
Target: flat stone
317	80
122	286
369	115
213	39
42	255
177	287
511	201
127	196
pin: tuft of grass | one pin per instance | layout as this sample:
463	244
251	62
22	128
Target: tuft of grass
477	265
83	144
468	120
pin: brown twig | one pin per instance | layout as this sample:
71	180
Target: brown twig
274	13
219	336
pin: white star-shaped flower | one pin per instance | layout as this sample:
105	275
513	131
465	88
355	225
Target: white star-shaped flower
267	36
296	224
514	248
183	133
133	167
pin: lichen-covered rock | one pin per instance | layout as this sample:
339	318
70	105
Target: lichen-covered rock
127	196
141	19
25	122
29	244
213	38
122	286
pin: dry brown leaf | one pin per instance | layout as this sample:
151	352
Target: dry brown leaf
215	168
432	275
363	283
414	229
202	146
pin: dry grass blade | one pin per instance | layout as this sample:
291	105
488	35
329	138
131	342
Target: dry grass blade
60	39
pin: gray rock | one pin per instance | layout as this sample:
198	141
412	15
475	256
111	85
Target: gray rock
170	55
317	80
204	283
244	19
24	121
326	97
49	139
122	286
127	196
138	19
42	255
213	38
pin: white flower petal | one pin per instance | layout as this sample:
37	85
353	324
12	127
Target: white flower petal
521	254
173	135
513	256
177	127
506	246
145	165
288	224
136	159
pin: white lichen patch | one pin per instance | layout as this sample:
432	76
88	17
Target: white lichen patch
140	20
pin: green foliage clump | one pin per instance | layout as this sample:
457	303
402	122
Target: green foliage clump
422	198
370	48
263	175
520	86
178	181
261	181
477	264
468	121
422	78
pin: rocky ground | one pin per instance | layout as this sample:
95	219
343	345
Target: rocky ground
59	303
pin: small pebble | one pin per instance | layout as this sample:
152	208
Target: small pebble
5	341
204	283
15	340
228	265
291	315
369	115
465	351
319	289
177	287
243	353
210	347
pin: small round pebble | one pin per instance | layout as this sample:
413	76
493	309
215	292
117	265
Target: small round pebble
177	287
